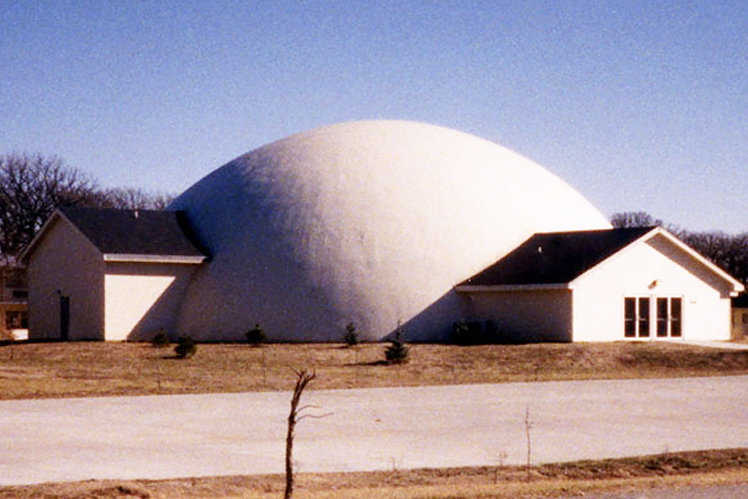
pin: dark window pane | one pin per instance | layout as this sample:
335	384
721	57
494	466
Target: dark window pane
675	317
644	317
661	316
629	313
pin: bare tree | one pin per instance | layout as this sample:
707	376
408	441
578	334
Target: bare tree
31	187
131	198
633	219
303	378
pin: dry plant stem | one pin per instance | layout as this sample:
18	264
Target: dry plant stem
303	377
528	426
264	371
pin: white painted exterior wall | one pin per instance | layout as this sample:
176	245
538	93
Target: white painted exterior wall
599	293
538	315
108	300
142	298
65	262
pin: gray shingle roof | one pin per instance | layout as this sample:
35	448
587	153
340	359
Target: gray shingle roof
555	257
136	232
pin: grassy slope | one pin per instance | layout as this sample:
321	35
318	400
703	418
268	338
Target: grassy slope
38	370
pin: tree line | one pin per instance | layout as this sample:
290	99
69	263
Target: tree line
727	251
32	186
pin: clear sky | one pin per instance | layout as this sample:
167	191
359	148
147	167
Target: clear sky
639	105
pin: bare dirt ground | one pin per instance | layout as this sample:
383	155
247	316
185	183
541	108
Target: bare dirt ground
84	369
674	470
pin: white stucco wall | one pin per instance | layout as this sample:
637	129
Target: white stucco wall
142	298
66	261
599	294
543	315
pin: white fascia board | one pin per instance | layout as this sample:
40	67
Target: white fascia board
466	288
57	214
132	258
37	237
737	286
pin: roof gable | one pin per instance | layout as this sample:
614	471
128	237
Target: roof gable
555	257
132	235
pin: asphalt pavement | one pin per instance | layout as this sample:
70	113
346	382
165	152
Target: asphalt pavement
367	429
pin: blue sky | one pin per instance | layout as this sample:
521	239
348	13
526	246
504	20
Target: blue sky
638	105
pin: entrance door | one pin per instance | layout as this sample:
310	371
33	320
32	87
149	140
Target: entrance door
64	318
666	313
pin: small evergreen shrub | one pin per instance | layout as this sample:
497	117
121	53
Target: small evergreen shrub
466	332
256	336
461	333
351	336
469	333
398	352
185	348
160	339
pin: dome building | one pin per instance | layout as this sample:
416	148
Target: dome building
378	223
370	222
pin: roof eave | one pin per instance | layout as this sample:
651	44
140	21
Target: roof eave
468	288
137	258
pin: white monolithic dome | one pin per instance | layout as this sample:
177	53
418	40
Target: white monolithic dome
370	222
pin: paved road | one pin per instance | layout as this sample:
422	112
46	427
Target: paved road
385	428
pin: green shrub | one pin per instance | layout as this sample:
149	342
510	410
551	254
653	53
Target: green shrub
350	337
256	336
466	332
460	333
398	352
185	348
160	339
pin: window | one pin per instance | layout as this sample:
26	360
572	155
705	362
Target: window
667	314
629	305
675	316
662	317
16	319
644	317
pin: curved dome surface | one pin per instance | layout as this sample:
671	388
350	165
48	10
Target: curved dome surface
370	222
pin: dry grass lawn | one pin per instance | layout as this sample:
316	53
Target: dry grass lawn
83	369
684	469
